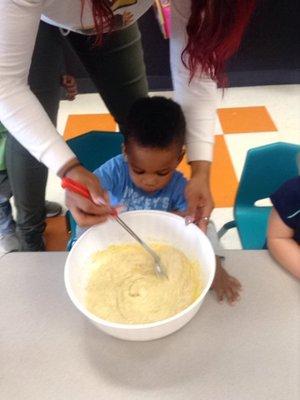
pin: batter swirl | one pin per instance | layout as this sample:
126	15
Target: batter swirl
123	288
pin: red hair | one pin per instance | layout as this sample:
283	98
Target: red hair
215	30
103	17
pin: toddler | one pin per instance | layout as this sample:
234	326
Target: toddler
284	226
8	239
145	176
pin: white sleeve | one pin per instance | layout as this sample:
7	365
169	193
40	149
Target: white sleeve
20	111
212	235
197	98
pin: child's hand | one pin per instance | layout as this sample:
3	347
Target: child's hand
69	83
225	285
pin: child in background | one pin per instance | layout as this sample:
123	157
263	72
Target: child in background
145	176
284	226
68	82
8	239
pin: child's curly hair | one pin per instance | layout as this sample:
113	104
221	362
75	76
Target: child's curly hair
155	122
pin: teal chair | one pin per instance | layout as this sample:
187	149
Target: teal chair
265	169
92	149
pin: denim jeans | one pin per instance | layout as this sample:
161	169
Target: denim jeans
7	224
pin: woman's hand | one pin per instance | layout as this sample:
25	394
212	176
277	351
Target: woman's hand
87	212
198	194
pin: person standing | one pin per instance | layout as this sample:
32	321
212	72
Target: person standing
105	36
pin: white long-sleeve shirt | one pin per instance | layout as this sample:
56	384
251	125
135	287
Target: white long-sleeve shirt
22	114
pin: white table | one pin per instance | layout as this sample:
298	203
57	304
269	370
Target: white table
49	351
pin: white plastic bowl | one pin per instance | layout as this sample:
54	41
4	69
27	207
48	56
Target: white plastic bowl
151	226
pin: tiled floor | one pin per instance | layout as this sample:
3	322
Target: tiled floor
247	117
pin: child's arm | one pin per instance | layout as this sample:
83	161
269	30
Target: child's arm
281	244
224	285
70	85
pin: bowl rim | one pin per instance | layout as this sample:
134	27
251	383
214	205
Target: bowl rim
121	326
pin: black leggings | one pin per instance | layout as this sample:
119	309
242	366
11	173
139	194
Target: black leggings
118	72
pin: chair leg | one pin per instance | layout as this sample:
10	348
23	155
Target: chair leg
225	228
67	219
69	230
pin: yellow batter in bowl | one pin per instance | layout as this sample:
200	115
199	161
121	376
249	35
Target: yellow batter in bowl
123	287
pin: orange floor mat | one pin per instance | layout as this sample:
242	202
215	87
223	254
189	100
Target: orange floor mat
246	119
223	179
79	124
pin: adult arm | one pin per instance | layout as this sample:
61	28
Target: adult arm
20	111
198	99
23	115
282	246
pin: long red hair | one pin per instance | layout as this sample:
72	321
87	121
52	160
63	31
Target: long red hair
103	17
214	30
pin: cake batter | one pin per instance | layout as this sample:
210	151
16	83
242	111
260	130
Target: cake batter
124	288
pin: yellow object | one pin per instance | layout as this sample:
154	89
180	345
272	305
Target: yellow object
123	288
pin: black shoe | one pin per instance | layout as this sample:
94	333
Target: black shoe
52	209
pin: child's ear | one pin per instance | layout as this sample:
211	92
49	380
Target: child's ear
181	155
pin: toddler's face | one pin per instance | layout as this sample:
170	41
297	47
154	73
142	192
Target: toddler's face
150	168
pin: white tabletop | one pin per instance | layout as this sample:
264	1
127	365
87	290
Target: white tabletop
49	351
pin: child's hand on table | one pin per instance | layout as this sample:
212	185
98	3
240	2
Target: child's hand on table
225	285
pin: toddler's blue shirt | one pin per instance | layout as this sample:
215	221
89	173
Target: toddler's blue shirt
286	201
114	177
